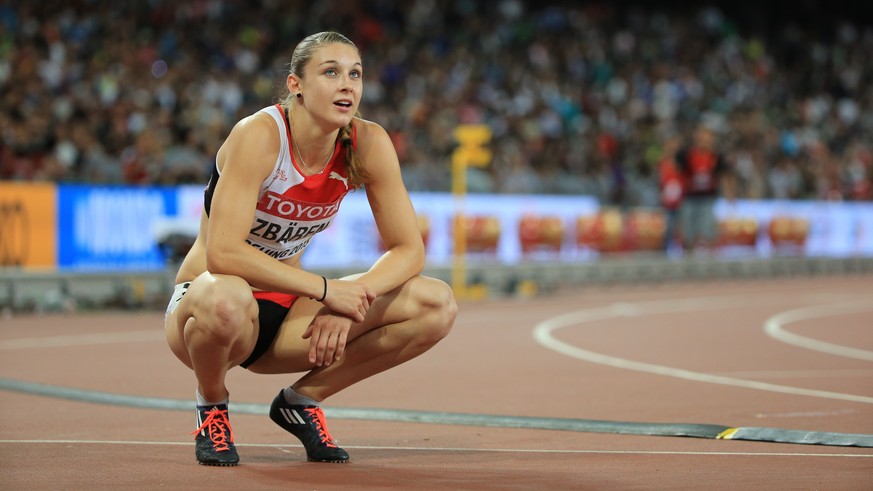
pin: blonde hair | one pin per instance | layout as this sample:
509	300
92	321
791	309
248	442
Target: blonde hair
299	59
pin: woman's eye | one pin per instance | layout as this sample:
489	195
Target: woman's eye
330	71
356	74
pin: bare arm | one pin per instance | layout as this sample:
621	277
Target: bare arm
393	212
398	227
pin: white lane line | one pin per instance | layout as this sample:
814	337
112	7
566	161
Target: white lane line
83	339
807	414
773	328
460	449
800	373
542	333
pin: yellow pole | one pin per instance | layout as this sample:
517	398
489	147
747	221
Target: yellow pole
459	258
471	151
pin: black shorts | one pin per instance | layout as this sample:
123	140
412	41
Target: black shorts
270	318
271	314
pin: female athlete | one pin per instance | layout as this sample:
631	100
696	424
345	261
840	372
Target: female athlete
241	296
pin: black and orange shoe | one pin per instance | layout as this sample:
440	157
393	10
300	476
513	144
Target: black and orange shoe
308	425
214	440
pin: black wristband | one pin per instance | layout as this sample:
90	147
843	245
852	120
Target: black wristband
323	295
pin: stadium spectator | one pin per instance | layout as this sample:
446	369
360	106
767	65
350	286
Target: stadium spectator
784	179
703	171
672	190
549	77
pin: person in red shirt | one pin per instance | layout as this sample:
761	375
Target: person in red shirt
703	171
671	188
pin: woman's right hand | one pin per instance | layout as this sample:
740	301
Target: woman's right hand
351	298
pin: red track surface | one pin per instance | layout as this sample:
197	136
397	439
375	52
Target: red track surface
490	364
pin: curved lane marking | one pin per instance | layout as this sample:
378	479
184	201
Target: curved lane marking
773	328
542	333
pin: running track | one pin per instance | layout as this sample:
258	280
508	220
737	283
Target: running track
90	400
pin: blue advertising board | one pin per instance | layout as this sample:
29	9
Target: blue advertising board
119	228
111	228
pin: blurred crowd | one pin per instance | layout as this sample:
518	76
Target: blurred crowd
581	96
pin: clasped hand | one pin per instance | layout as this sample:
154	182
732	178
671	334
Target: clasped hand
346	302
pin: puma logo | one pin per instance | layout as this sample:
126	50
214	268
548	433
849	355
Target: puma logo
338	177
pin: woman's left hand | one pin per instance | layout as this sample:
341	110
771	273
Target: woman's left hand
327	334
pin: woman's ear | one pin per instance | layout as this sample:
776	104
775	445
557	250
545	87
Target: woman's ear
293	84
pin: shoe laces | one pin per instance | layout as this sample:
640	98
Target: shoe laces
321	425
218	428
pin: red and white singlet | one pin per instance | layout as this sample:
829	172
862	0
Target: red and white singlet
291	207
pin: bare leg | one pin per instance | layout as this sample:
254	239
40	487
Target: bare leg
213	329
399	326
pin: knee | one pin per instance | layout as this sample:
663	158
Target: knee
223	312
438	307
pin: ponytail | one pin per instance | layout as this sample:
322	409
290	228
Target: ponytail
357	173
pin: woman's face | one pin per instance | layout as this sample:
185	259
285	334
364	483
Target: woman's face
333	83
